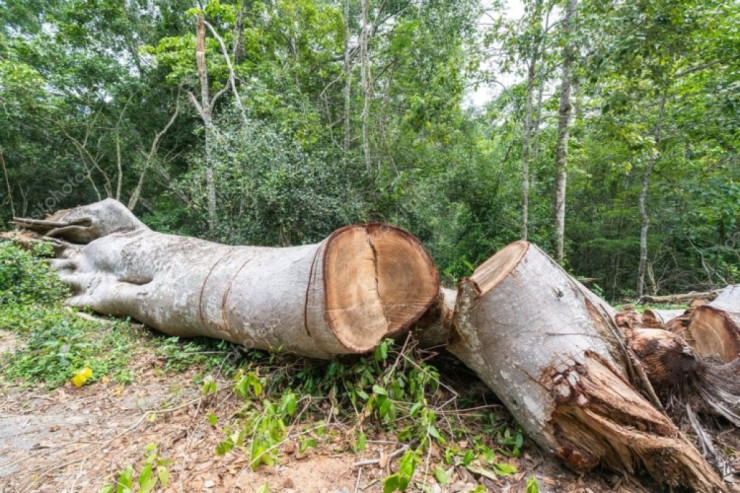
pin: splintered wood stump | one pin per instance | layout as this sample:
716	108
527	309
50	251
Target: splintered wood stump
658	319
714	329
342	295
549	349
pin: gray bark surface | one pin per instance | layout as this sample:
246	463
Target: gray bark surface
342	295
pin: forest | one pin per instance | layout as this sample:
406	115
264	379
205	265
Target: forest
604	132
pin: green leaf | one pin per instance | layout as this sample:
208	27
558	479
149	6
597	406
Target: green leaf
307	442
391	484
126	481
212	419
476	469
532	485
224	447
265	488
379	390
504	469
290	403
441	475
164	476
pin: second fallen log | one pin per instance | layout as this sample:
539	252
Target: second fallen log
549	349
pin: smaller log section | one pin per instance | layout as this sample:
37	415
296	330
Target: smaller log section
714	328
550	350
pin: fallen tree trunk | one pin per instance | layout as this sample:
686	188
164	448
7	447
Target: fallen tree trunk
677	299
549	349
342	295
714	329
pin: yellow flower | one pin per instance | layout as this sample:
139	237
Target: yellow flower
81	376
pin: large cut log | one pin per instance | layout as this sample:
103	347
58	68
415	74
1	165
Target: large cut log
714	329
550	350
343	295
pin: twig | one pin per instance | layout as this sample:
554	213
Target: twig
370	462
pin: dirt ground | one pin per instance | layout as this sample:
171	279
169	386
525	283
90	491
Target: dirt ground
78	439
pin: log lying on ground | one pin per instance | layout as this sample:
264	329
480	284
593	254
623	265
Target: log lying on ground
714	329
676	299
342	295
548	347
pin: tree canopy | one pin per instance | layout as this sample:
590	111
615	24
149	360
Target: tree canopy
275	122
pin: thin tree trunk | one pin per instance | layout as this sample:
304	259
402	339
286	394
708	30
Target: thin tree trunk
536	23
561	149
119	167
538	116
365	81
525	145
347	78
641	202
204	108
152	152
7	183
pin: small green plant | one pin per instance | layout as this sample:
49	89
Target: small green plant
25	276
532	485
180	354
153	473
400	480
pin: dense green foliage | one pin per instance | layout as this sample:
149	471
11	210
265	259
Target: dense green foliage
87	85
56	342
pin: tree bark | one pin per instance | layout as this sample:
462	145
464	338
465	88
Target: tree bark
714	329
365	81
347	80
205	108
342	295
561	149
549	349
536	24
644	217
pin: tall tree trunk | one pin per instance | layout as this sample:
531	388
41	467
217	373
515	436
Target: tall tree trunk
525	144
536	24
205	113
347	78
561	149
365	76
7	183
641	202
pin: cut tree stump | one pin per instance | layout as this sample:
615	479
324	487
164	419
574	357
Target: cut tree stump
714	329
550	350
342	295
659	319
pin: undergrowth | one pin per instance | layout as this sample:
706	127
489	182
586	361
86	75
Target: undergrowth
393	392
54	342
